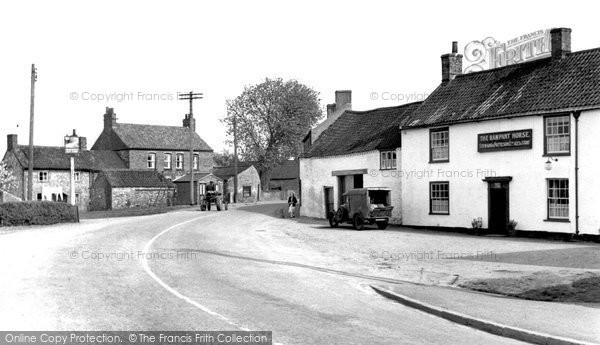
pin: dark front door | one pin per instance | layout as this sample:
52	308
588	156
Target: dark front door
328	201
498	207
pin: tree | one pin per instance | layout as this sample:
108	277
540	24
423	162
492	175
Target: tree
223	159
272	119
7	178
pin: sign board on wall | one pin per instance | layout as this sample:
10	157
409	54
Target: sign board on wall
503	141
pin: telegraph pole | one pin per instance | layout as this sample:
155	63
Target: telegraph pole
31	104
190	96
235	159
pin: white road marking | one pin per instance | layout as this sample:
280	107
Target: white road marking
175	292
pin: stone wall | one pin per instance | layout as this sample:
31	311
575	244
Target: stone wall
59	181
140	197
18	187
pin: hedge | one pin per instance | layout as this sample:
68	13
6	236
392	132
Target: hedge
37	213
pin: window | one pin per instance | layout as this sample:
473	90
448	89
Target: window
151	163
167	161
43	176
77	198
557	135
76	176
39	196
439	198
246	191
438	145
195	164
358	181
179	161
558	199
388	160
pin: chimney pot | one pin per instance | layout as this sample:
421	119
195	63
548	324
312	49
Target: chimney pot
560	42
11	142
454	47
342	97
330	109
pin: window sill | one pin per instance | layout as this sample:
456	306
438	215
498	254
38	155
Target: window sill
439	214
558	154
440	161
388	169
557	220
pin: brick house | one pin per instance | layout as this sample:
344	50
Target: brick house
52	167
165	149
117	189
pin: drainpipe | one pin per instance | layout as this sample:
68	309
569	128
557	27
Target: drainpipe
576	117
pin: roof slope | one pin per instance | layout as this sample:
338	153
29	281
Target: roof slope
362	131
536	87
136	179
153	137
228	172
286	170
55	158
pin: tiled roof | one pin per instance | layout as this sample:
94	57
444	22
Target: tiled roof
361	131
153	137
287	170
55	158
136	179
228	172
537	87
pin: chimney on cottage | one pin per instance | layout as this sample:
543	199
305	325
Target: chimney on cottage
189	122
82	143
110	118
451	64
11	142
560	42
343	101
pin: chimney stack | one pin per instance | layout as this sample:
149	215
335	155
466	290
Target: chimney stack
451	64
11	142
110	118
82	143
343	101
560	42
189	122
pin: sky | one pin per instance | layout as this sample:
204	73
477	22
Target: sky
135	56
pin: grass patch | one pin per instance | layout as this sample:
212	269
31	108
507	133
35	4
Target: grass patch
543	287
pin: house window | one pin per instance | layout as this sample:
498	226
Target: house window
39	196
358	181
439	198
195	164
439	145
388	160
557	133
247	191
77	198
558	199
76	176
151	163
168	161
179	161
42	176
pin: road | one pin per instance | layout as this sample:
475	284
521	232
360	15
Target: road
191	270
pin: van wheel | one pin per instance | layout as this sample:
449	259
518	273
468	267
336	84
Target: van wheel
358	222
382	225
333	221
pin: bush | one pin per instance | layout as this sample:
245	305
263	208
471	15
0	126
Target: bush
37	213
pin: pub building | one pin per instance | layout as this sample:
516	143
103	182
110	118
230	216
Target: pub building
515	145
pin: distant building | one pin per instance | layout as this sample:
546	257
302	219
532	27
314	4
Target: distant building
200	181
117	189
248	190
165	149
51	180
286	178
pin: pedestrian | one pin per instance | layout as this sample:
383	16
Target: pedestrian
292	201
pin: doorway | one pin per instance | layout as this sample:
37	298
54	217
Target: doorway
498	205
328	191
